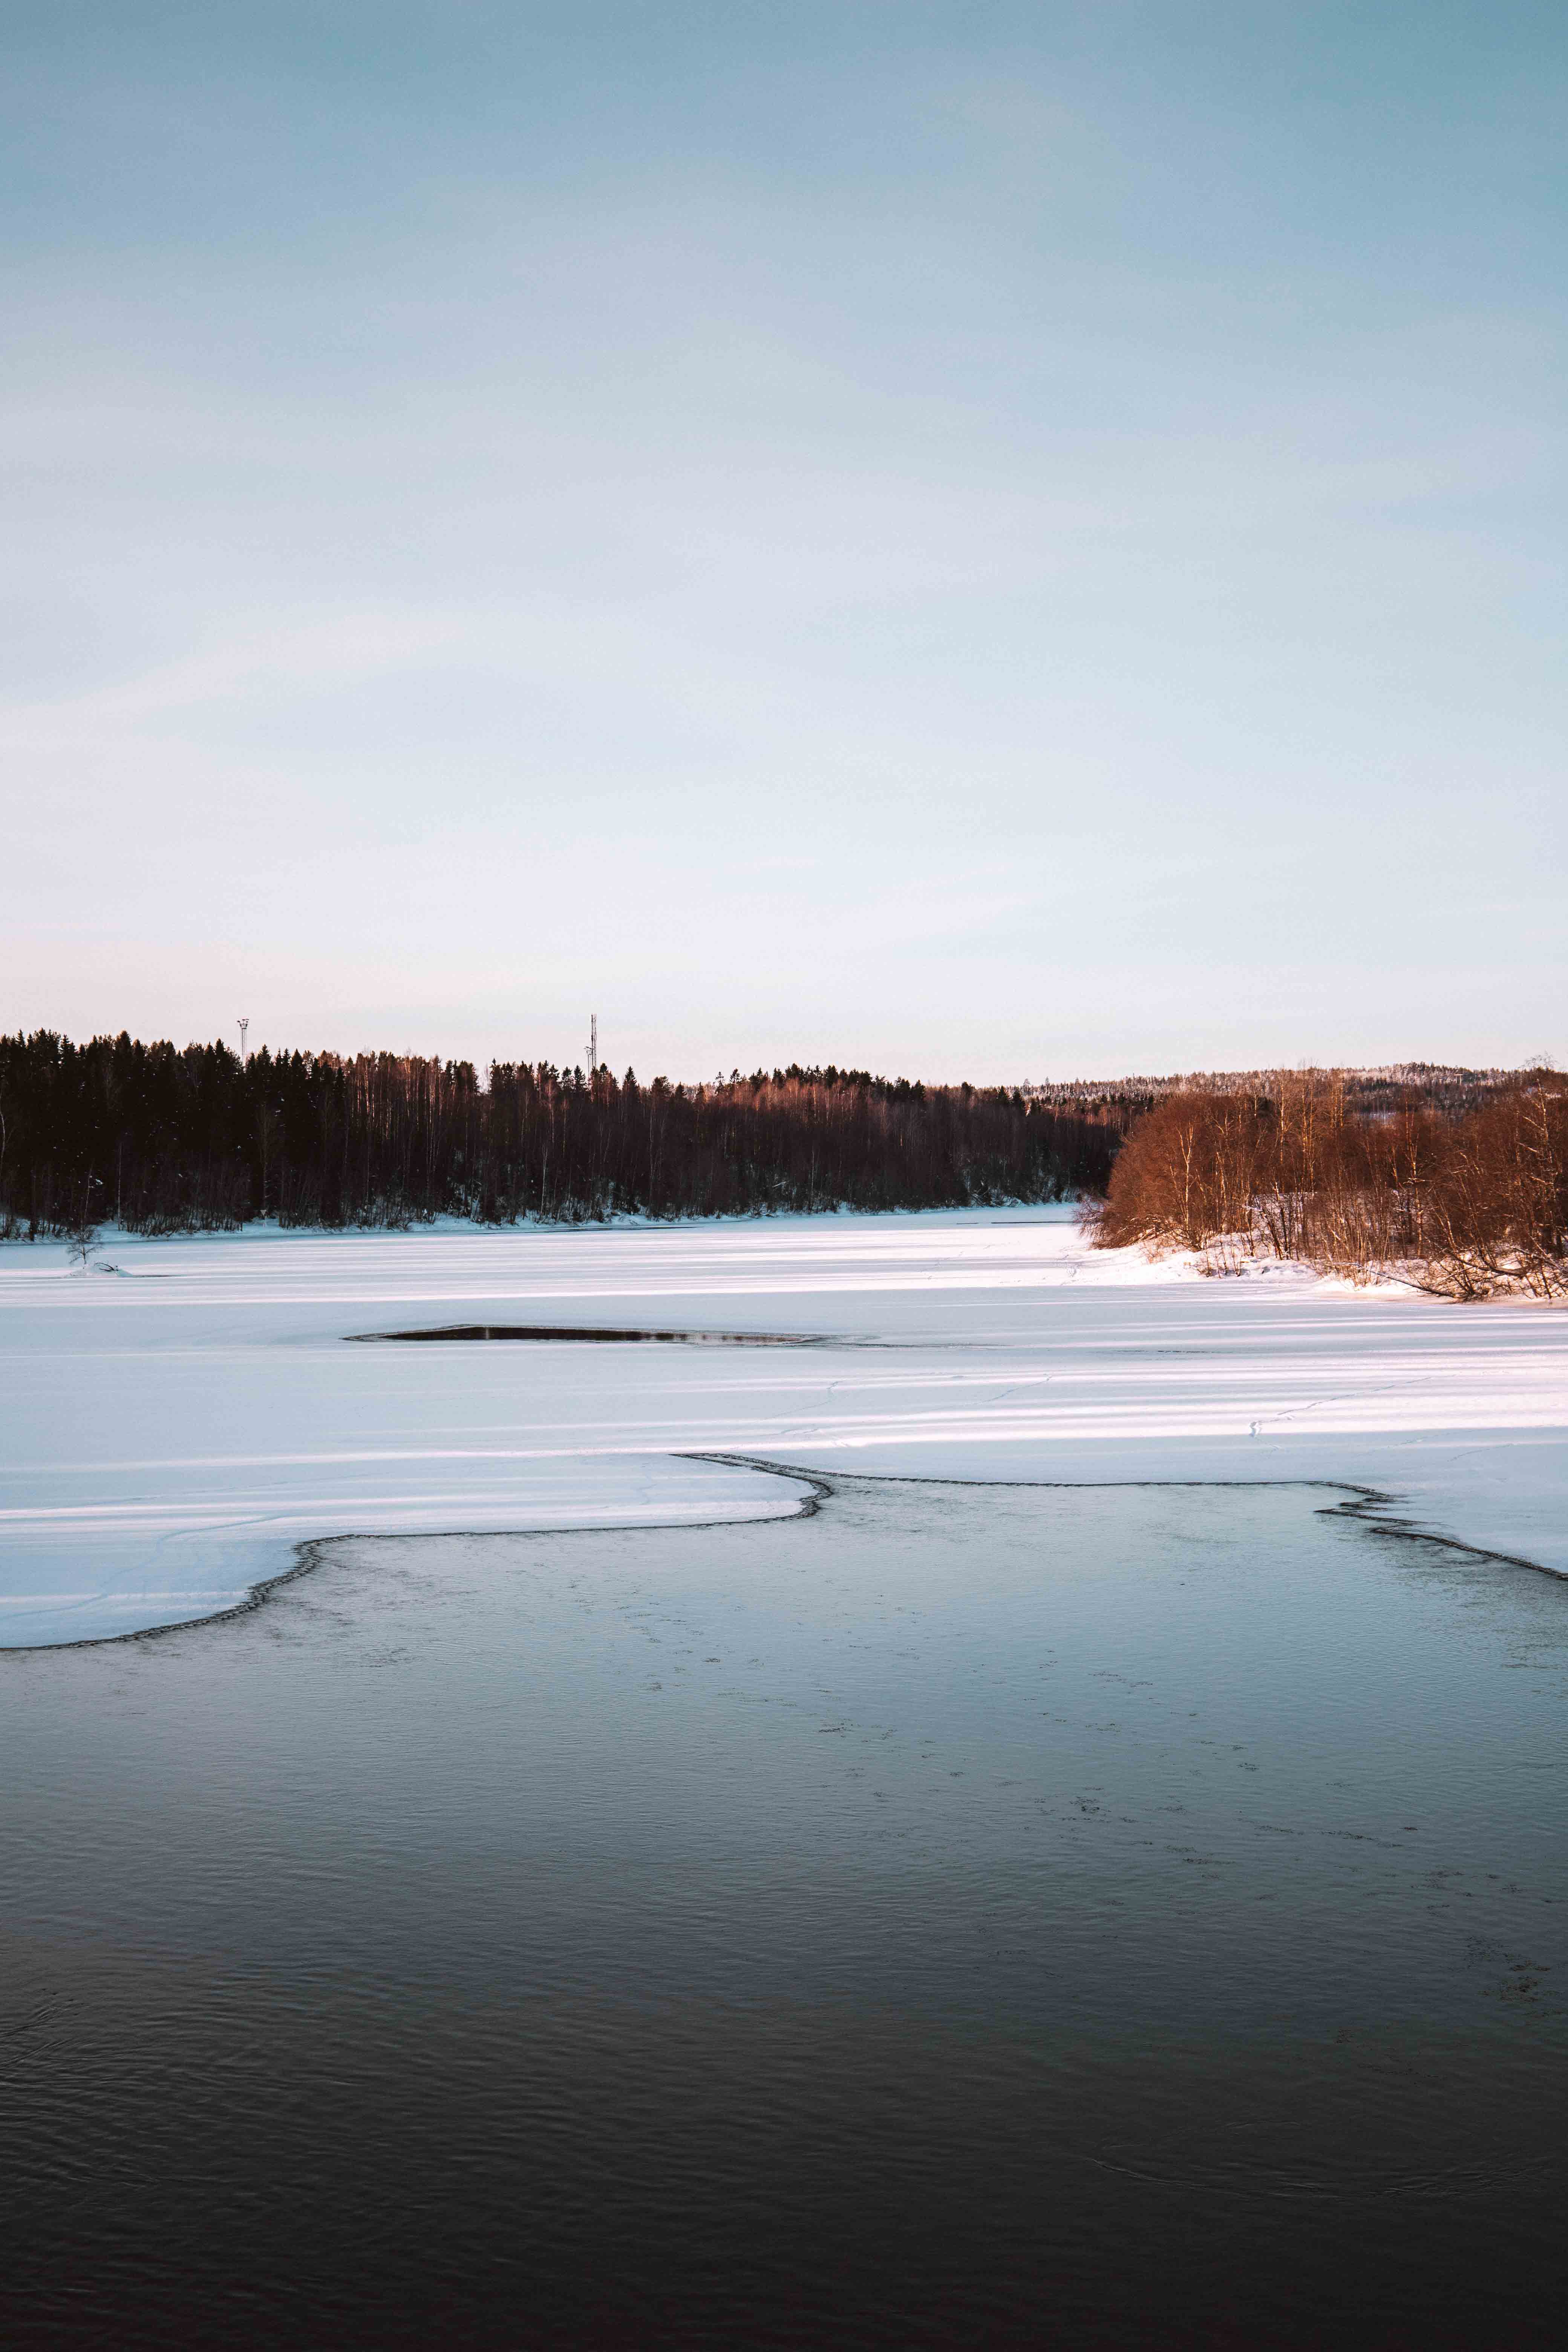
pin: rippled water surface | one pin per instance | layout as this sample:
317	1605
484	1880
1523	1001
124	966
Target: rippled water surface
968	1915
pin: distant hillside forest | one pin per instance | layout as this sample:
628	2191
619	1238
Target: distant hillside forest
158	1140
1450	1087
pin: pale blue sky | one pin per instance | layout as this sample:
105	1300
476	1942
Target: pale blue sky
982	540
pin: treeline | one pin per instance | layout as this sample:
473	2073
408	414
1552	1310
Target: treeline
160	1140
1450	1087
1467	1204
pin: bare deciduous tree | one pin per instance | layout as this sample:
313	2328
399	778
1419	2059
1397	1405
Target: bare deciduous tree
1467	1206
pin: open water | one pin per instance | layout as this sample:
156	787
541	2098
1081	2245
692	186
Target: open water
967	1916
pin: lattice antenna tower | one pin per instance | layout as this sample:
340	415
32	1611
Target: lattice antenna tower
592	1043
244	1025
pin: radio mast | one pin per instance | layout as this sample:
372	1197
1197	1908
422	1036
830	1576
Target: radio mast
592	1044
244	1024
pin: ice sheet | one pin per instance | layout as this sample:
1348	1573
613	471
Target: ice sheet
171	1432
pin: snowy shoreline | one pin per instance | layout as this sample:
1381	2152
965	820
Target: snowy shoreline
177	1435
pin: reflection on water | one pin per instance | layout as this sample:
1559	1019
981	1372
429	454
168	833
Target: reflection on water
969	1916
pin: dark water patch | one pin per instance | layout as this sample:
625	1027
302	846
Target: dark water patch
553	1331
962	1917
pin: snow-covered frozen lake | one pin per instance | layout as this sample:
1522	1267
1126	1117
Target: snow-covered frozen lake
1085	1906
173	1430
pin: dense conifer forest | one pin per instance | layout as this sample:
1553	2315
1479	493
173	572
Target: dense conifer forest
158	1139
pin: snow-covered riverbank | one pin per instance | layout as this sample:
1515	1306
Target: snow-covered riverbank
171	1431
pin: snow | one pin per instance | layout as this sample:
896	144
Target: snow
173	1430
